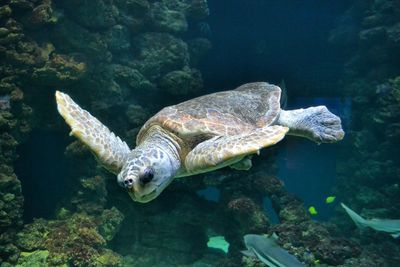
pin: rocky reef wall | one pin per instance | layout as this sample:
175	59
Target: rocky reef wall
117	57
124	60
369	174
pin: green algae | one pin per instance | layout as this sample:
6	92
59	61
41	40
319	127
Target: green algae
37	258
111	221
75	240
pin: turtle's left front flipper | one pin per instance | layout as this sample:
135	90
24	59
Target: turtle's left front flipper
223	151
109	149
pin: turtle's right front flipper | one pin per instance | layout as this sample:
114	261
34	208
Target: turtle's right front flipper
222	151
109	149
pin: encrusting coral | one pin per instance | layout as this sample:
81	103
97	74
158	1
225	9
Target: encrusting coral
105	52
113	54
369	175
79	239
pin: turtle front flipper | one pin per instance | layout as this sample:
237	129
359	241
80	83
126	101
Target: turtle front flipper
109	149
222	151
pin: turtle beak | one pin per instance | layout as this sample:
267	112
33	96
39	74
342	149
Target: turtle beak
140	194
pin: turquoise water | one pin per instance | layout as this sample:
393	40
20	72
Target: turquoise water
123	61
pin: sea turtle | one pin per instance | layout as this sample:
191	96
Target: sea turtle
200	135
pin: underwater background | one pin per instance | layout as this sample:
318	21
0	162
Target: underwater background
123	60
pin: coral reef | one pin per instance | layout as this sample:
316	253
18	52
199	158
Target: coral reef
121	57
182	82
158	53
372	160
105	52
369	173
79	234
172	232
15	125
309	240
75	240
248	215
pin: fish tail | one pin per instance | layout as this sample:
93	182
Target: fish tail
357	219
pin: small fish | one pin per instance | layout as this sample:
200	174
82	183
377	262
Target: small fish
312	210
330	199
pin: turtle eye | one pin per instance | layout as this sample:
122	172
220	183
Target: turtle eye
147	176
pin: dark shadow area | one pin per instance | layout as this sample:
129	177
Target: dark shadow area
273	40
309	170
43	171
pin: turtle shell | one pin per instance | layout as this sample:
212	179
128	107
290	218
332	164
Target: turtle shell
250	106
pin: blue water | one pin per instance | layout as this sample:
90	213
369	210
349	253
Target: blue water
123	61
307	170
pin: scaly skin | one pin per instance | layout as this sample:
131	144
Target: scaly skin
158	153
315	123
109	149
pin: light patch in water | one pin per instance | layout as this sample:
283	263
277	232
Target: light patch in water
209	193
218	242
5	102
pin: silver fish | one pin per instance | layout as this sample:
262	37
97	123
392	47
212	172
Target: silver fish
269	252
382	225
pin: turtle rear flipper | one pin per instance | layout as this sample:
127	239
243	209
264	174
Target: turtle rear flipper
315	123
243	165
222	151
108	148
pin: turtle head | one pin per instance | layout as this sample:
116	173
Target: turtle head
146	173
